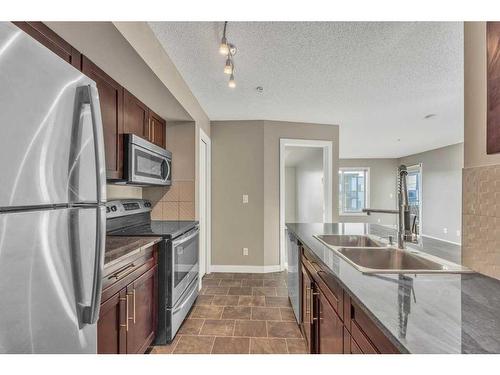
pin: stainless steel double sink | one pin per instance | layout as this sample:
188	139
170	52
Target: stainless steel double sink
368	255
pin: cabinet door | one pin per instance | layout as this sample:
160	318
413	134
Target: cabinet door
43	34
307	309
135	116
330	328
142	306
111	99
111	327
157	127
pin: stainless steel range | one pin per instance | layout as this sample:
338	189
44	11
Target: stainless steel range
177	259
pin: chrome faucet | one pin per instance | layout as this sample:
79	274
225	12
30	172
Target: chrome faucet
406	229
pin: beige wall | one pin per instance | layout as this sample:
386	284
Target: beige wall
245	159
481	174
237	169
441	191
383	180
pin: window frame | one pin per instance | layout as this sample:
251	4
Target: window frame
367	189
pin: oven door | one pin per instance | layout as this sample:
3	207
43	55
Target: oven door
147	167
185	250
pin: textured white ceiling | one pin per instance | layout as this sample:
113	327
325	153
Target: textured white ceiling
376	80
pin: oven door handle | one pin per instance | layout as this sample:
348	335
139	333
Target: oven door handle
186	300
180	241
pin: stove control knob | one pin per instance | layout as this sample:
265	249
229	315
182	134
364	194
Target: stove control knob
147	204
107	209
113	208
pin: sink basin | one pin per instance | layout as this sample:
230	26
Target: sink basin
346	240
392	260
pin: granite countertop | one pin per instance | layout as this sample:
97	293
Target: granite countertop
118	247
423	313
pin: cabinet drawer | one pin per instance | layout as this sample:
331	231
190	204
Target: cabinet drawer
126	273
325	280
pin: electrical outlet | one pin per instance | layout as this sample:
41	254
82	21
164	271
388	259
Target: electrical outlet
245	198
458	233
445	230
245	251
378	220
391	195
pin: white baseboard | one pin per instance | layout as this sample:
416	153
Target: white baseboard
440	239
244	269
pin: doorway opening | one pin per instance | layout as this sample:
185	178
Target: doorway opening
305	185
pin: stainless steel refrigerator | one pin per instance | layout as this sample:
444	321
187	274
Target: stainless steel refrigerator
52	195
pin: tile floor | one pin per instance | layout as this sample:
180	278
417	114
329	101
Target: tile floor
239	313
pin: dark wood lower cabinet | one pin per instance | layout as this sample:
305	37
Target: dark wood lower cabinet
111	338
307	310
141	298
330	328
332	322
129	308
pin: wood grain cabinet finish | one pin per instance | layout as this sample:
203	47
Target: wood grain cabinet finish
307	304
330	328
332	322
141	297
43	34
111	99
157	130
135	116
129	308
111	338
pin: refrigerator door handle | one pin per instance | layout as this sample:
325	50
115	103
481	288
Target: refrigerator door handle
91	97
91	313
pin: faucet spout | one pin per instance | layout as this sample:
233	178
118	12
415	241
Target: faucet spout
406	231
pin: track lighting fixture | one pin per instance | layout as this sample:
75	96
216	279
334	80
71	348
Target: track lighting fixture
229	50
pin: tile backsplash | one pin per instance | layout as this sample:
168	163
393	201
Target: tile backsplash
481	219
175	202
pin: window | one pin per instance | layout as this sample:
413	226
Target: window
353	190
414	187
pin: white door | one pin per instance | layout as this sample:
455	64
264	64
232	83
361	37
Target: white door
204	205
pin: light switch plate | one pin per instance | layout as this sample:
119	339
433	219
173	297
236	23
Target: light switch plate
245	198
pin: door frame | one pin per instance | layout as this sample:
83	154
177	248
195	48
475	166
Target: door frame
327	147
205	255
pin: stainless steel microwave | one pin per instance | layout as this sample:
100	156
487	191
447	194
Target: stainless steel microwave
146	163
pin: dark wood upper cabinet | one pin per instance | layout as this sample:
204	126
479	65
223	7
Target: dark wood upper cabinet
135	116
142	312
40	32
493	77
111	99
330	328
157	129
112	325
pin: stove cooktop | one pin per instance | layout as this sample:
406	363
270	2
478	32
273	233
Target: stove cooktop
165	229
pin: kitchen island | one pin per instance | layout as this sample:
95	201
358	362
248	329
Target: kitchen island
417	313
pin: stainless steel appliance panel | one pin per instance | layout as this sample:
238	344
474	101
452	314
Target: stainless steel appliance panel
146	163
185	266
49	262
51	129
178	313
294	273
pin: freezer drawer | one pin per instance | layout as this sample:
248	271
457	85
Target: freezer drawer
47	269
